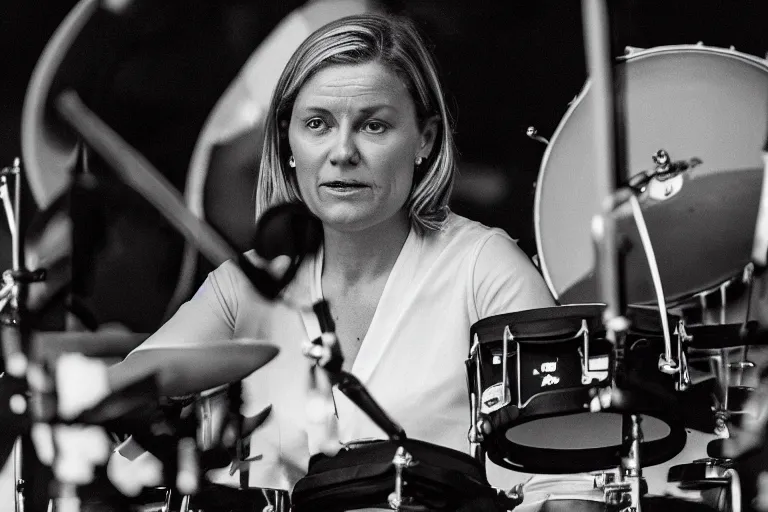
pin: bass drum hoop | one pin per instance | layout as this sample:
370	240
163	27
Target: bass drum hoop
633	55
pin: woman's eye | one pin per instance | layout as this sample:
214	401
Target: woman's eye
315	124
375	127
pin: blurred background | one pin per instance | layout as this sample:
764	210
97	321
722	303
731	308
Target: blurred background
156	70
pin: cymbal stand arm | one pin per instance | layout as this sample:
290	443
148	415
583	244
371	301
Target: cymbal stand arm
12	296
12	211
748	278
17	212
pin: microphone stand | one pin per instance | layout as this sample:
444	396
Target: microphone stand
15	329
330	359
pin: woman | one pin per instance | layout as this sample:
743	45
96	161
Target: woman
358	130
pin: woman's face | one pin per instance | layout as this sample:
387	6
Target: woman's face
354	136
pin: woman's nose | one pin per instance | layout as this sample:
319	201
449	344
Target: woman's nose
344	151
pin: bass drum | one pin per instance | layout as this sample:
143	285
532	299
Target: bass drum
694	102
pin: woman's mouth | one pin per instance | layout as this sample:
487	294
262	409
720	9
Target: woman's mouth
344	186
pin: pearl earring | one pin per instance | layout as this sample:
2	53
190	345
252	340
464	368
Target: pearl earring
419	160
291	162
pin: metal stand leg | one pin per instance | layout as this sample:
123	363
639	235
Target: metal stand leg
631	470
167	501
184	503
627	491
18	481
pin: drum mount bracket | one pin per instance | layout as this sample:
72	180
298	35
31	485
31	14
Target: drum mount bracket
665	170
625	489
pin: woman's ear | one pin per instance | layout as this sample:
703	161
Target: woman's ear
428	136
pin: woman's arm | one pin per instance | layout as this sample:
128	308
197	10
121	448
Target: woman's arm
209	317
505	280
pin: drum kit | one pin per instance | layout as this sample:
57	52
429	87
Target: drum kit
552	391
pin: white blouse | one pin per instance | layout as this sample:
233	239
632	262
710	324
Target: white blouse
411	359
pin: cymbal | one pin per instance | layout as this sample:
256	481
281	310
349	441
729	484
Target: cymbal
693	235
193	368
108	343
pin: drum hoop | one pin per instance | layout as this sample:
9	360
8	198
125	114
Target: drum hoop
632	55
534	459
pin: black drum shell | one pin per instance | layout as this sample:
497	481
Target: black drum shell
555	331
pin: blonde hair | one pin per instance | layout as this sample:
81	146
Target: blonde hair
394	42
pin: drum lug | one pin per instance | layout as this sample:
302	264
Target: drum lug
401	460
683	338
589	376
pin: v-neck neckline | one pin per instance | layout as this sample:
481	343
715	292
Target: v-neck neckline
369	352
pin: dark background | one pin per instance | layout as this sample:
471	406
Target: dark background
506	65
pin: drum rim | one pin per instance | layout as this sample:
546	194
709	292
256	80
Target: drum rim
534	459
632	54
570	312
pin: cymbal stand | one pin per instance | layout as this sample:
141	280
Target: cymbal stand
14	329
40	406
721	364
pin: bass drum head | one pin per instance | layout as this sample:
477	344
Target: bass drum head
693	102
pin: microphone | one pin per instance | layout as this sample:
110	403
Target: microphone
288	229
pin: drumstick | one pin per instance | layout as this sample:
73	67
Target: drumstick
140	175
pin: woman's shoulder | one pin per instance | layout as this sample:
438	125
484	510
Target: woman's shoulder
463	232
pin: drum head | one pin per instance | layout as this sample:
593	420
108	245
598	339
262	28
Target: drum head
649	503
693	102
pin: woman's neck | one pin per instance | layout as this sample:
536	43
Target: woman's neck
354	257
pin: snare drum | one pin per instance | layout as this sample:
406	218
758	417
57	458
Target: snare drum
364	475
533	371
